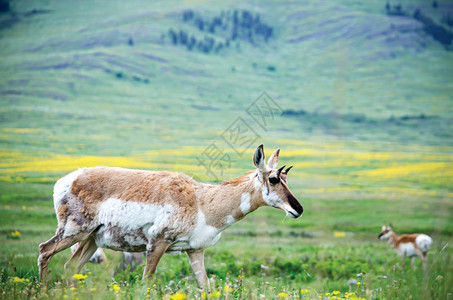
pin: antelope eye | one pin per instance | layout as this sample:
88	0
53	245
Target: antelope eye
274	180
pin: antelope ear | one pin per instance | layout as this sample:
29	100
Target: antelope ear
383	227
273	159
390	226
258	159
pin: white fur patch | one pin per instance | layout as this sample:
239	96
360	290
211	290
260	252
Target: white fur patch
289	209
130	217
133	215
386	236
406	249
230	220
257	183
423	242
204	235
71	228
63	186
245	203
271	199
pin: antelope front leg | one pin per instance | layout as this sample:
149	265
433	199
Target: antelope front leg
153	256
196	259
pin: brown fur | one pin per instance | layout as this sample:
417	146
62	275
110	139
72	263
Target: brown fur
96	185
218	202
405	238
238	180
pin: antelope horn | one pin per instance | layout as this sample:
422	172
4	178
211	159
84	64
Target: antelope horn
280	170
287	170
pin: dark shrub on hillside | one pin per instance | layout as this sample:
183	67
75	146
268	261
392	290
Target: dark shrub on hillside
4	6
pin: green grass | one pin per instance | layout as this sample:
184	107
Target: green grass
69	99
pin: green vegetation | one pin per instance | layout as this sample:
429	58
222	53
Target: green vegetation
364	106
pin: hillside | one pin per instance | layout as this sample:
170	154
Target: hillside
99	71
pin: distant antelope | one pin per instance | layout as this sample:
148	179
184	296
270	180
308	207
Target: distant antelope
160	212
407	245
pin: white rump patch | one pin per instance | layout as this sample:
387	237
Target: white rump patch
423	242
245	203
63	186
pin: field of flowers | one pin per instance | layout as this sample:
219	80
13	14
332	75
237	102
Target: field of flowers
331	253
362	109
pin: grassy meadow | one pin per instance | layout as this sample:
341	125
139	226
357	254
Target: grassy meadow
362	106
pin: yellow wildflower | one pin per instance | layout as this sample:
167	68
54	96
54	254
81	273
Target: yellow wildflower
282	294
339	234
93	289
336	292
15	233
327	294
116	288
24	207
214	295
178	296
73	288
227	288
17	279
358	283
79	276
304	291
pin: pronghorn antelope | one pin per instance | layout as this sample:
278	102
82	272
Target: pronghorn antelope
158	212
407	245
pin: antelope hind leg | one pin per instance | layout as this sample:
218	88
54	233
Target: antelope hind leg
56	244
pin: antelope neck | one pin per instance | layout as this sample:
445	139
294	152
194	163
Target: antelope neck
225	204
392	239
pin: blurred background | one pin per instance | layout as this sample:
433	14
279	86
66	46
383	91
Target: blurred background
356	94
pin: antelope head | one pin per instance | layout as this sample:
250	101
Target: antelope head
385	232
273	184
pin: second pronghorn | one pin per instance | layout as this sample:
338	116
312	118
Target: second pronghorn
407	245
